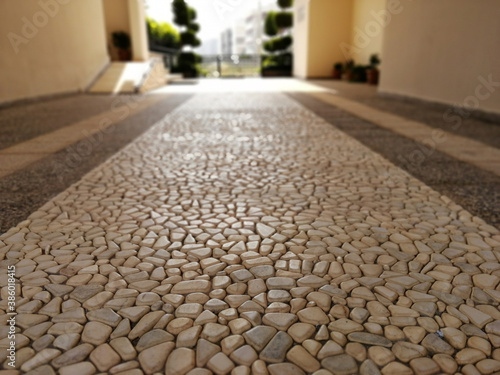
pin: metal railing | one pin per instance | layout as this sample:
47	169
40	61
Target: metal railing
231	65
169	55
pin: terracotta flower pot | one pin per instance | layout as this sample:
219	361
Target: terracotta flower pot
124	55
347	76
372	76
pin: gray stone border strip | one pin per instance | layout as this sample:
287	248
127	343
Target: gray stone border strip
21	155
458	147
473	188
27	189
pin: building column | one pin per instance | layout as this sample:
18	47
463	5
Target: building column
138	32
301	38
321	28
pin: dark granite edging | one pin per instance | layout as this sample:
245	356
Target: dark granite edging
24	191
479	114
474	189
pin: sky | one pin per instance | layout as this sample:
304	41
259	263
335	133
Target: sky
213	15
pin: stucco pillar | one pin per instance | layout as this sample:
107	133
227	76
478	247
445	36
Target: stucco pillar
300	38
138	32
321	27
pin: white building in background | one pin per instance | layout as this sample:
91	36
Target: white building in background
226	42
254	29
245	35
233	39
209	47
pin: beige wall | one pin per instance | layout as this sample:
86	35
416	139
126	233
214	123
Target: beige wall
63	50
336	31
367	29
441	51
116	19
138	30
329	25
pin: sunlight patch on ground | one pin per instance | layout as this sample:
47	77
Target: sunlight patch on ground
242	85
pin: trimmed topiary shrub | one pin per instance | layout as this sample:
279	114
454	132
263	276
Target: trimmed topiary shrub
185	17
285	3
188	38
278	24
284	20
270	27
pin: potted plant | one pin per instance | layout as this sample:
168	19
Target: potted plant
349	65
337	70
372	73
121	40
358	73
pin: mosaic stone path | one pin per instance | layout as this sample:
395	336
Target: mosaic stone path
244	235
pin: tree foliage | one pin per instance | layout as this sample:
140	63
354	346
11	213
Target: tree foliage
185	17
283	60
162	34
284	20
278	44
277	26
181	12
270	27
192	14
188	38
285	3
194	27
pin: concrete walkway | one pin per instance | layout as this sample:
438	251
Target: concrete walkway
19	156
244	234
462	148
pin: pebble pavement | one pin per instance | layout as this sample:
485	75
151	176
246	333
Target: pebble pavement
245	235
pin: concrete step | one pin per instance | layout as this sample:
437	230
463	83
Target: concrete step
173	77
155	77
130	77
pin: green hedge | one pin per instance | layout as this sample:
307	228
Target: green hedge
162	34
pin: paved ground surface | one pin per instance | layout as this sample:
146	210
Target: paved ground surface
49	115
244	234
473	188
457	122
29	188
